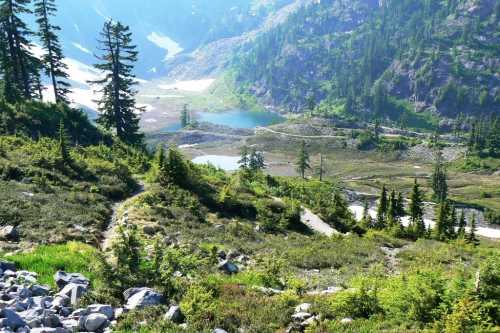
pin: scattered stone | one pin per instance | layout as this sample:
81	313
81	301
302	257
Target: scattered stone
9	233
228	267
143	298
106	310
94	322
38	290
301	316
346	321
62	279
174	315
233	254
219	330
309	322
269	291
5	265
74	292
304	307
222	254
9	318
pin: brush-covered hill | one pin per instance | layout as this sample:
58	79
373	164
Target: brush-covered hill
379	58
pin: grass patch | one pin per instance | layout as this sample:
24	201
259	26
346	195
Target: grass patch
45	260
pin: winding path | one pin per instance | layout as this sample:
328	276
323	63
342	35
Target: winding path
108	234
266	129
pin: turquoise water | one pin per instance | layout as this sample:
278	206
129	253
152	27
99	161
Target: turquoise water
235	119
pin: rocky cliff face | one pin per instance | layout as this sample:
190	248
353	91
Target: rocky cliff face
440	56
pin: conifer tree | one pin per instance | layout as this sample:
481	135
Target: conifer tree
174	170
53	58
400	205
439	184
117	106
452	223
471	236
382	209
417	224
303	162
256	161
462	223
185	119
366	220
442	220
321	167
392	210
244	161
20	67
63	142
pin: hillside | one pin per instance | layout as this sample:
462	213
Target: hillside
378	59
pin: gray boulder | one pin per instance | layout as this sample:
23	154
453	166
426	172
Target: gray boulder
62	279
94	322
301	316
106	310
304	307
131	291
219	330
38	290
174	315
228	267
9	233
74	292
6	265
144	298
9	318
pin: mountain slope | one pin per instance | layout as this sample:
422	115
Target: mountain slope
369	56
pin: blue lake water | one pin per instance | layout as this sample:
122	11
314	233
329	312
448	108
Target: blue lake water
235	119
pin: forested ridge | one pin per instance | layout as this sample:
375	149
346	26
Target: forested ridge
379	59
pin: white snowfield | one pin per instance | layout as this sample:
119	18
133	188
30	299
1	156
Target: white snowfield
315	223
189	86
172	47
492	233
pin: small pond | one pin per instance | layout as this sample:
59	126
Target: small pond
235	119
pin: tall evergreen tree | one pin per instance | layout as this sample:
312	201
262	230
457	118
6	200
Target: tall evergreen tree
452	223
417	224
20	67
303	162
400	205
366	220
439	184
63	142
471	236
53	58
383	206
256	160
462	223
442	221
244	161
321	167
185	119
174	170
392	210
117	106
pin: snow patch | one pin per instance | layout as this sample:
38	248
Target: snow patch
191	86
358	211
173	48
227	163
